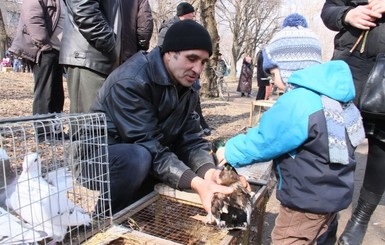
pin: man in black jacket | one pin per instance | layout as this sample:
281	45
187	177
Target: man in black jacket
153	128
98	36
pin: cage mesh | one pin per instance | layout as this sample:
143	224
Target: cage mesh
173	220
73	153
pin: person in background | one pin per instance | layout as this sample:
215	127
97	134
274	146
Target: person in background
294	35
245	79
221	65
310	133
16	67
153	128
185	11
38	38
352	19
264	86
99	36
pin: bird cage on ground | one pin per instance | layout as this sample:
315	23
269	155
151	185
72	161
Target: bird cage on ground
54	178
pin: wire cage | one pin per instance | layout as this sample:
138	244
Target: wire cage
54	178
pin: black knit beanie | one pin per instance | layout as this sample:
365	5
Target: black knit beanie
187	35
184	8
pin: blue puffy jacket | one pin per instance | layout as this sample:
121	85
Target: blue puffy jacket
294	133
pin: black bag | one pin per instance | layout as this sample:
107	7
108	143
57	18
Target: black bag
372	100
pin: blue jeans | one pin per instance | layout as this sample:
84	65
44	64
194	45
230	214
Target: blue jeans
129	168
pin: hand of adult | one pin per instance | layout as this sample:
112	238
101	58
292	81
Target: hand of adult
377	6
362	17
206	189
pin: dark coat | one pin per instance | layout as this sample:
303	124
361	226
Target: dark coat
142	106
245	79
100	35
35	28
360	64
164	27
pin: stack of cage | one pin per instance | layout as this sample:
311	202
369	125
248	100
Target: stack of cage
54	178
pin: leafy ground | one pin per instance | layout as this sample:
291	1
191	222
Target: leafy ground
227	118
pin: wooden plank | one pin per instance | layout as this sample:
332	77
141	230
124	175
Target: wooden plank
165	190
144	238
256	110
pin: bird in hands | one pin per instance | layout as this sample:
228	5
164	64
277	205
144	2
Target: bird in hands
43	205
231	211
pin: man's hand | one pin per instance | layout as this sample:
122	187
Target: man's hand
363	17
206	190
377	6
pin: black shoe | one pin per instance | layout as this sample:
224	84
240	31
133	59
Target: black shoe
242	95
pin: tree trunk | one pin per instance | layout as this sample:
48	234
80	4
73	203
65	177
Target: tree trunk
207	8
3	37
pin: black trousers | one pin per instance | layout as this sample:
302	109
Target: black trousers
48	91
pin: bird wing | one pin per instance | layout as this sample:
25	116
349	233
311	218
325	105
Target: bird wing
15	231
61	178
3	154
70	214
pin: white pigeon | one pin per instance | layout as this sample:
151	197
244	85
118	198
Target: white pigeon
42	205
15	231
7	176
61	178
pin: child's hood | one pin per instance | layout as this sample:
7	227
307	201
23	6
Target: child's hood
333	79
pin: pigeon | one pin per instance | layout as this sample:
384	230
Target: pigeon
7	176
15	231
231	211
43	205
61	178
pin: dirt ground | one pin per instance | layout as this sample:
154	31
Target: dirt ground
226	118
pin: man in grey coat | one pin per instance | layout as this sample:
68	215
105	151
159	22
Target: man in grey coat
99	35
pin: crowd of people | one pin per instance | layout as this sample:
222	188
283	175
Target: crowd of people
151	99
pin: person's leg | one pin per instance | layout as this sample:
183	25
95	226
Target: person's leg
44	79
129	166
371	193
83	85
329	236
261	93
57	90
297	227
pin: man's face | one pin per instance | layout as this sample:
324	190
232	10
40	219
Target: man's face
185	67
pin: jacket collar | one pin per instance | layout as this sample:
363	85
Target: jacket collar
158	72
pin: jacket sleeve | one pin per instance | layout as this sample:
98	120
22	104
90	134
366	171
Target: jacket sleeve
282	129
34	24
92	24
145	25
333	13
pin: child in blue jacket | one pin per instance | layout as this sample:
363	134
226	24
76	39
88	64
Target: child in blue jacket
311	133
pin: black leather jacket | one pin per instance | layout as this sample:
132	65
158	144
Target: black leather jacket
143	106
100	35
333	13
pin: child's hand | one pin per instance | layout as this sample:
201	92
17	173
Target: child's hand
221	156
